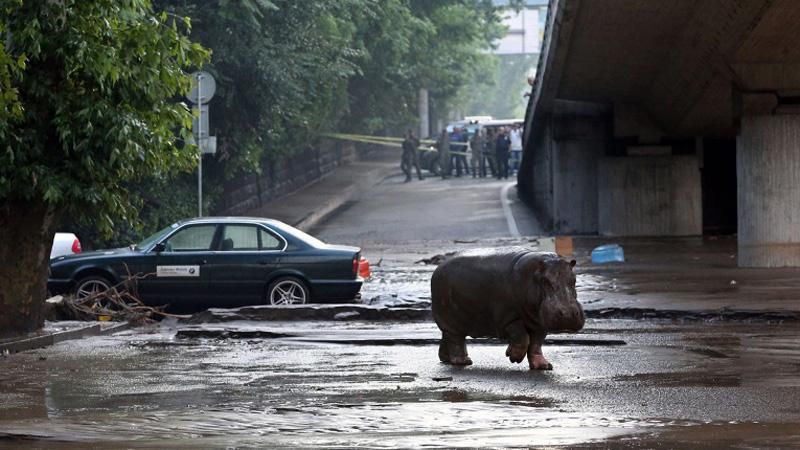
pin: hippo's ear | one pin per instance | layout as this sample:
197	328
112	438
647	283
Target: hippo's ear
572	264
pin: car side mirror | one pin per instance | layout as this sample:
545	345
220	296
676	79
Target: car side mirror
160	247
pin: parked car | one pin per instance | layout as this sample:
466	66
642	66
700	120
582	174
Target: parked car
218	262
65	244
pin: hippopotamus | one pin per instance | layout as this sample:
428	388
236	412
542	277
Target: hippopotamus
510	293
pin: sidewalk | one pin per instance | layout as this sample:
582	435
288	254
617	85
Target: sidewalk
310	204
684	277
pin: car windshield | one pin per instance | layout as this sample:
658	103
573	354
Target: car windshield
155	237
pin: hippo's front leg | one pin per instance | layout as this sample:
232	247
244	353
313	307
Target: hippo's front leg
536	359
518	341
453	350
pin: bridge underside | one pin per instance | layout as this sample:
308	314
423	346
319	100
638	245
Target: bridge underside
653	117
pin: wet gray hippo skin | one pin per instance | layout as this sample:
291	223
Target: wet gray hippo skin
510	293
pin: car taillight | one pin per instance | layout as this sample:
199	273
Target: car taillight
363	268
355	264
76	246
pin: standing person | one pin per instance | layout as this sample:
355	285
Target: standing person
476	152
461	158
489	153
405	159
414	141
455	162
516	146
502	147
443	145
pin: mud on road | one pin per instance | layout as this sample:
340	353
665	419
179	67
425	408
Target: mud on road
346	382
674	385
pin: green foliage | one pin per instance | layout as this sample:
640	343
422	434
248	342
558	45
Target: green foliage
502	95
90	91
288	70
408	45
96	83
279	67
10	107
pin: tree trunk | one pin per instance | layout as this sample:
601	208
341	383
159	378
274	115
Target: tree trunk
26	235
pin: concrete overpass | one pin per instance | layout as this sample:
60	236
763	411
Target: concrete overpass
670	117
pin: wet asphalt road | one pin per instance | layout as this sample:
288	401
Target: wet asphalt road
430	210
673	385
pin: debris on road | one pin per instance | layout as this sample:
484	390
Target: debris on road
435	260
608	253
118	303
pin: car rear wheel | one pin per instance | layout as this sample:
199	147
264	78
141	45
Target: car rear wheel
287	291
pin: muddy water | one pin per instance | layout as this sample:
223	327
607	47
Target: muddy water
689	385
406	283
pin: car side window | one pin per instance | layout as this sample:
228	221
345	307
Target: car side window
239	238
269	241
191	239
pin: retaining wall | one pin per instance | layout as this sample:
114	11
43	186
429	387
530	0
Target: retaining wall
280	177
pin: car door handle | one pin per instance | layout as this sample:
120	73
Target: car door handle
263	263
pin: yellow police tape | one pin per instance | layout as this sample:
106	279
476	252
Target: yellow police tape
390	141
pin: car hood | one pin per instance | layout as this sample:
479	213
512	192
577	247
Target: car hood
124	251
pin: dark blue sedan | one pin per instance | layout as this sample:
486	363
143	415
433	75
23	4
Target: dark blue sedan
218	262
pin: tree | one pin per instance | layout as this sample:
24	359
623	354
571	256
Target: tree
280	67
97	82
406	45
288	71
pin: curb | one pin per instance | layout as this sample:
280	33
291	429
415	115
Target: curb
726	315
49	339
314	218
61	336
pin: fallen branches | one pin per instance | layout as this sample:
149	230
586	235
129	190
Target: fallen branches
118	303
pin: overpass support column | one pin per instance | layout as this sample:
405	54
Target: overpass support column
768	177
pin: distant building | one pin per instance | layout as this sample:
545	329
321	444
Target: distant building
525	28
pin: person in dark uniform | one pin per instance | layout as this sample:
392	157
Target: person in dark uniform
409	159
457	160
489	153
502	147
476	152
443	145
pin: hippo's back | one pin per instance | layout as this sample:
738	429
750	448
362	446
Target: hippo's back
469	290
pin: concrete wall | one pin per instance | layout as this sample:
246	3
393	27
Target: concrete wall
768	173
540	192
575	187
559	173
650	196
282	177
579	134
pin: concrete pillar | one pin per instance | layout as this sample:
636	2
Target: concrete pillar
424	114
768	177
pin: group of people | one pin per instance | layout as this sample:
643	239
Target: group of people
489	150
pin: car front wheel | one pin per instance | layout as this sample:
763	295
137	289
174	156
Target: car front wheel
287	291
91	286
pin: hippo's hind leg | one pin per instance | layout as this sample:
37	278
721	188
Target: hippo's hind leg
536	359
453	350
518	341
